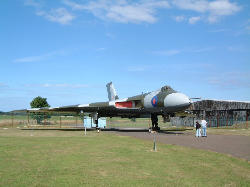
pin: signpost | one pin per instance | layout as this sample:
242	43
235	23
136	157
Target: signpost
154	148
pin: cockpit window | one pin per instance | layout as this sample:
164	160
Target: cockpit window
166	88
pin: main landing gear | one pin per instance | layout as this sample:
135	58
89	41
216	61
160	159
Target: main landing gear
95	118
97	127
154	120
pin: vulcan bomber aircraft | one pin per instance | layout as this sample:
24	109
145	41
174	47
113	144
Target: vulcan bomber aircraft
165	102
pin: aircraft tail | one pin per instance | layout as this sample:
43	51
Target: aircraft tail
111	92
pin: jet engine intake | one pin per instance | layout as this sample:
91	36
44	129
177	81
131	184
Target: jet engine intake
126	104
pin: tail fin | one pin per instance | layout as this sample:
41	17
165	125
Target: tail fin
111	92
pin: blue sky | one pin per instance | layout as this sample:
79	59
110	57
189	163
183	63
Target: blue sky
67	50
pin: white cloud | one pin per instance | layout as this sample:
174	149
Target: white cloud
74	5
178	51
219	30
39	57
32	3
195	5
167	52
133	14
59	15
247	26
238	48
3	85
214	9
101	49
230	80
63	85
122	11
222	7
29	59
141	11
179	18
110	35
201	50
193	20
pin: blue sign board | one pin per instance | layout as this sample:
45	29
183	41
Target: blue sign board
89	123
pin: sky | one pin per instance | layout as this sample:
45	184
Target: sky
68	50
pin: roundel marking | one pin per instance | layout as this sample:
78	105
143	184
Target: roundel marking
154	101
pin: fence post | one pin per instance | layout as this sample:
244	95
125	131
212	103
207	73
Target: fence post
60	121
247	119
28	116
91	121
12	119
44	117
227	121
217	120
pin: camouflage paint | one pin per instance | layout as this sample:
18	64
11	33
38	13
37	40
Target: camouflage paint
162	101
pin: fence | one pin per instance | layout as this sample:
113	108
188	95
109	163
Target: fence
76	121
27	120
212	121
70	121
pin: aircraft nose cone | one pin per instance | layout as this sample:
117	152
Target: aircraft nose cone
177	100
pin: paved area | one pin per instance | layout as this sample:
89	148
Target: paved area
235	145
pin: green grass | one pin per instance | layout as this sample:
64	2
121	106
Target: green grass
67	158
139	122
229	131
16	117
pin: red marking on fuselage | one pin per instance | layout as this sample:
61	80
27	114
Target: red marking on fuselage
127	104
154	101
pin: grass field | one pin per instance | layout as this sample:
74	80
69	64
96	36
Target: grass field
229	131
67	158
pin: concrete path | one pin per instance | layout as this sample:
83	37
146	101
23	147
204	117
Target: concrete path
235	145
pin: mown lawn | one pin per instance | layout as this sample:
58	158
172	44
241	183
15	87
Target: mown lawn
66	158
229	131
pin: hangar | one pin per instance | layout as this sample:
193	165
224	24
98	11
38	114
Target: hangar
217	113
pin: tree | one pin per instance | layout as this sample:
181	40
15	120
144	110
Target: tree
39	102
